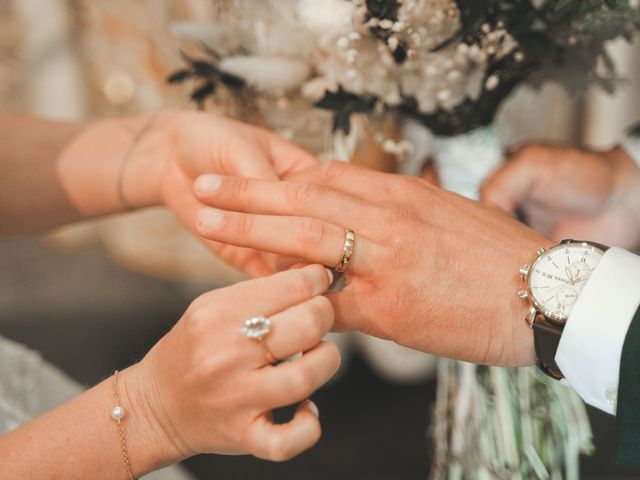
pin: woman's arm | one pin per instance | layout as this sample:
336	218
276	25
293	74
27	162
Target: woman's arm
203	388
52	173
80	440
55	173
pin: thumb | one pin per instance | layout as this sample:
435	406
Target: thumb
251	161
288	157
284	441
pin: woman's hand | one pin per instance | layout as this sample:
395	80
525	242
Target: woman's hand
431	270
205	388
179	146
570	193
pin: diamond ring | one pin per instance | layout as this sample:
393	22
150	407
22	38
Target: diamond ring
257	328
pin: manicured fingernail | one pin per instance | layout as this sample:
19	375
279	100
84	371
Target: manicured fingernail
330	273
313	408
209	218
208	183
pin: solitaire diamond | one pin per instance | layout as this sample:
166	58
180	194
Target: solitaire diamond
256	327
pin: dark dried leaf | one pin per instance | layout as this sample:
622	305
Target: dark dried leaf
203	91
179	76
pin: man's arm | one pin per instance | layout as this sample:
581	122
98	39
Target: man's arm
628	419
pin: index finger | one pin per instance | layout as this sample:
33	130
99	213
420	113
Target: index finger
273	294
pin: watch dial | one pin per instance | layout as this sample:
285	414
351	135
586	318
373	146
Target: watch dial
559	275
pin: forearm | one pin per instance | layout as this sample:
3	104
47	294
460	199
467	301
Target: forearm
53	173
80	440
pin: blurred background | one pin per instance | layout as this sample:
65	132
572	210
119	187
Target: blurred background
97	296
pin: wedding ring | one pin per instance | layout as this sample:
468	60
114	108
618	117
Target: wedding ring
257	328
347	250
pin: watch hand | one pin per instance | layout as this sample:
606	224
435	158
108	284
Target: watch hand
581	279
567	270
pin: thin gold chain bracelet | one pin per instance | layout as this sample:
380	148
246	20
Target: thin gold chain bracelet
125	161
117	413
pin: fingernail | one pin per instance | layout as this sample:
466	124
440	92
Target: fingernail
209	218
208	183
313	408
330	273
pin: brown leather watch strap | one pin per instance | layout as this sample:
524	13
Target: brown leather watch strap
546	338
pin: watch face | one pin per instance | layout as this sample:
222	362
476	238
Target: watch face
558	276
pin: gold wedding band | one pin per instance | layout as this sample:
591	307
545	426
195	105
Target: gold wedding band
270	358
347	250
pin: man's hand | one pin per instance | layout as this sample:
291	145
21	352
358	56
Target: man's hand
431	270
570	193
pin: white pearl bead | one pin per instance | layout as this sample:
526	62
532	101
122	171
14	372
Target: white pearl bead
117	412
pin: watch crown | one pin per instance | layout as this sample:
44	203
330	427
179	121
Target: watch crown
523	294
524	271
540	251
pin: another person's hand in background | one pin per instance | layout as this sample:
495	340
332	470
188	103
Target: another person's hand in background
203	388
566	192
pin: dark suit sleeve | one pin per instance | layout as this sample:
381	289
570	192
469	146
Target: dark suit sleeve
628	412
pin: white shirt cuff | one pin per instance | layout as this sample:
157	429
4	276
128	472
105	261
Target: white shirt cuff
591	344
631	145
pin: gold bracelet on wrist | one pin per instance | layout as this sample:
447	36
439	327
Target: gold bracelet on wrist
118	413
125	160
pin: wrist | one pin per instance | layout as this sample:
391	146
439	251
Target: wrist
145	164
522	340
149	445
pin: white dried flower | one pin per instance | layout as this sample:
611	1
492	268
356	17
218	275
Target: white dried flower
492	82
316	88
326	17
269	74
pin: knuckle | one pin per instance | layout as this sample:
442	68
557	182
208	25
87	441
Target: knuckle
332	170
303	287
243	225
280	450
526	153
198	318
302	194
311	233
415	183
322	316
315	325
301	381
333	354
239	187
402	215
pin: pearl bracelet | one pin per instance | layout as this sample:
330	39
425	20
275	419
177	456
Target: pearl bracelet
117	413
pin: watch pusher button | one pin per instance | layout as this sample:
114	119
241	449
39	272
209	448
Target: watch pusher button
531	316
524	271
523	294
540	251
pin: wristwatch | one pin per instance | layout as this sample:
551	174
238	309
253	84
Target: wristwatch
554	282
